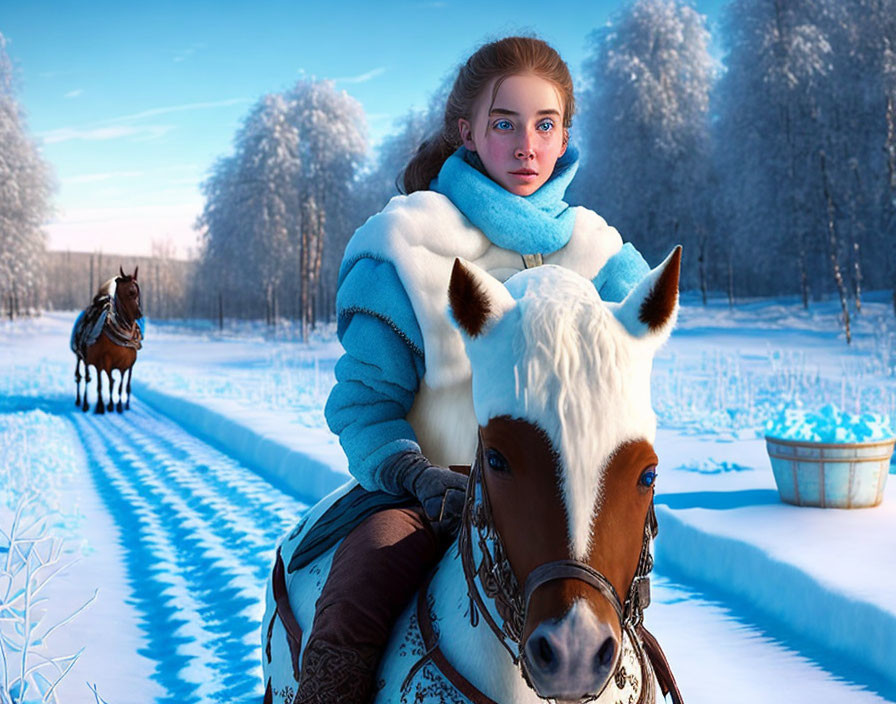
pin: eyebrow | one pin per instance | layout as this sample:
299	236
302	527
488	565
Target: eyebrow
502	111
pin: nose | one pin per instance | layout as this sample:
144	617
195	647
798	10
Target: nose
526	148
572	657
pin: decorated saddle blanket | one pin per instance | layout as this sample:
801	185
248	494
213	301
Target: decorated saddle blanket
89	324
333	518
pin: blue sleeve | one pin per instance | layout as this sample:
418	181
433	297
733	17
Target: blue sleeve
378	376
622	272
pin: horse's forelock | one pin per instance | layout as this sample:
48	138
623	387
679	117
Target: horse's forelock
578	379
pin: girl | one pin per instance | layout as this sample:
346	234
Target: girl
489	188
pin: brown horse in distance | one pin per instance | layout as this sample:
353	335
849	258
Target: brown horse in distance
117	305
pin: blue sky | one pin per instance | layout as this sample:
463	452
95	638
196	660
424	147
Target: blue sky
133	103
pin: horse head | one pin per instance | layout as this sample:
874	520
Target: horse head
563	485
127	293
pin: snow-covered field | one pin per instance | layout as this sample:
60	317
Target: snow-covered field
171	511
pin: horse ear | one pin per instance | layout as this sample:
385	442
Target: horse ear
136	268
651	307
476	299
121	271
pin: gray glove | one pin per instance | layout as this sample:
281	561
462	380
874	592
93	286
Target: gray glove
440	491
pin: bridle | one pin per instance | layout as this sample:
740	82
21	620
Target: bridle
499	583
119	327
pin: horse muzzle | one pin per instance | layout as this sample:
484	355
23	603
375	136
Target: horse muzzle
571	658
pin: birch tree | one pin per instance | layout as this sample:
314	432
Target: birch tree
270	205
331	146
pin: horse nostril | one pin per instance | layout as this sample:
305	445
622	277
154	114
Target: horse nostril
605	653
547	658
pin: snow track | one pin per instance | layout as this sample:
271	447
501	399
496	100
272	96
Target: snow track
199	532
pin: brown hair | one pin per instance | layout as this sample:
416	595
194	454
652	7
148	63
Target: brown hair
498	59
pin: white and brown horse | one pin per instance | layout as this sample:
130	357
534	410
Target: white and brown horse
542	597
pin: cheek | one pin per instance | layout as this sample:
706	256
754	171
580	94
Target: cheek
493	152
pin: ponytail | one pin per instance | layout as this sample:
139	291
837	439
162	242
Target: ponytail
425	165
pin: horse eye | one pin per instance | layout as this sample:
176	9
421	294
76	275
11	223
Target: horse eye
497	462
648	477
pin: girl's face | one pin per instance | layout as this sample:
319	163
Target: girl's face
520	139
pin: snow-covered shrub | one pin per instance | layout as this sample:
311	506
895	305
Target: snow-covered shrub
37	457
30	559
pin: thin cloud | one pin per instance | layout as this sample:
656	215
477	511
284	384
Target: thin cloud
184	54
55	74
102	134
109	129
74	93
162	170
107	176
363	78
176	108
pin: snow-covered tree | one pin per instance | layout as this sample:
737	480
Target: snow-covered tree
767	140
270	206
382	179
645	128
25	187
803	142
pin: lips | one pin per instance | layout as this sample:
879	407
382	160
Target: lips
524	172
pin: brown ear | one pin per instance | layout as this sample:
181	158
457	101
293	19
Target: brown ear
121	271
650	309
136	268
469	304
659	304
475	298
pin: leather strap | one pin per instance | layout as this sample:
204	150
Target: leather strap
434	653
287	618
660	665
571	569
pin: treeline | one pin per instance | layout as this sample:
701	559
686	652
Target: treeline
776	170
776	167
72	279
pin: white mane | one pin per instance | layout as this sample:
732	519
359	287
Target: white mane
559	358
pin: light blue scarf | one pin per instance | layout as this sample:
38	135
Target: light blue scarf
537	224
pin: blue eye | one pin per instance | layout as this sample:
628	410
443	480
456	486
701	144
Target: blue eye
648	477
503	125
546	126
497	462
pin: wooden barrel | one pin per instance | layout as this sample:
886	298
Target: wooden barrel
830	475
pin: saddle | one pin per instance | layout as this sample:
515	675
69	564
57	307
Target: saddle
91	322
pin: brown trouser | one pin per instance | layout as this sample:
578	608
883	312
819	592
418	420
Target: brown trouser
375	572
